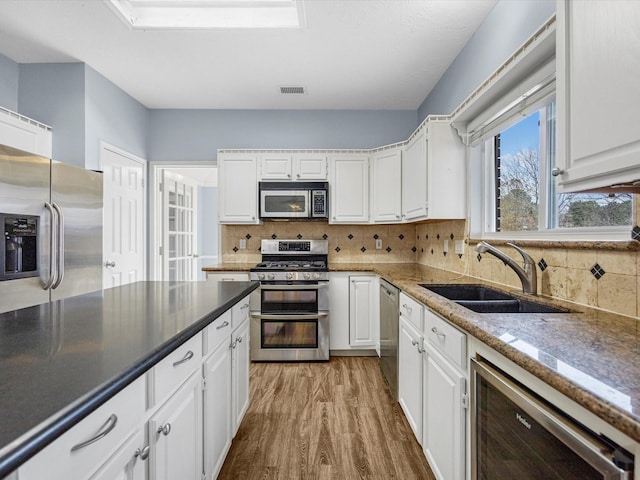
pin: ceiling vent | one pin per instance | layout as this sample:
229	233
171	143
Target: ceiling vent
292	90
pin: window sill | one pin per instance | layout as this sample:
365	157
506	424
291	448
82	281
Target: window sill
618	245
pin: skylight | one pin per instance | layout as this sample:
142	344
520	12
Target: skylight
209	14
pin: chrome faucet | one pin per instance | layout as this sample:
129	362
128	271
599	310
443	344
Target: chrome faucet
528	275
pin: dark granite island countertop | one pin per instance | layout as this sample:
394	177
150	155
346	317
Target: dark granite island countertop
61	360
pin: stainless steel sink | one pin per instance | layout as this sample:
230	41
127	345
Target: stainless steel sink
483	299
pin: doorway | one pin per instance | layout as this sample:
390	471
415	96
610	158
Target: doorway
183	220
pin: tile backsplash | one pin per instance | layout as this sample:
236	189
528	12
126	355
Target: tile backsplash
603	278
347	243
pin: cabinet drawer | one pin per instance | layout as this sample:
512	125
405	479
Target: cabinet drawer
450	341
240	312
74	455
174	369
217	332
412	311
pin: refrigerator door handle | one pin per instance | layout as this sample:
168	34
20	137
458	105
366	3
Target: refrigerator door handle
60	252
52	247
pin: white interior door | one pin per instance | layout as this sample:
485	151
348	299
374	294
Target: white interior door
124	217
180	240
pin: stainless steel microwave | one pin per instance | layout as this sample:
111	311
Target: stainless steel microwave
293	200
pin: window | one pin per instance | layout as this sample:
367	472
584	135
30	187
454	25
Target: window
519	188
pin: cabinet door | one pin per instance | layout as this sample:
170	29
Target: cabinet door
128	463
349	189
175	435
414	178
444	417
240	373
339	308
80	451
386	186
597	93
307	166
217	410
410	375
275	167
363	314
238	189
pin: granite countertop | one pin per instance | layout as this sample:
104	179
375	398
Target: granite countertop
589	355
59	361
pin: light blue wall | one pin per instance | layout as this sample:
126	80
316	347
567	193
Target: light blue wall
9	75
54	93
111	115
194	135
509	24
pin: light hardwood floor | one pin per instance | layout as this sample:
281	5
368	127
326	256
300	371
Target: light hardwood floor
333	420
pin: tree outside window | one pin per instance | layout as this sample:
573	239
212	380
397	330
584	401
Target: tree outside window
521	166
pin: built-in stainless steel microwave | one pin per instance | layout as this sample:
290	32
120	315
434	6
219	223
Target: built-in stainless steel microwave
293	200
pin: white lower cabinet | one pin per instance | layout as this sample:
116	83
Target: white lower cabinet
363	311
127	463
410	375
190	404
100	443
445	398
354	320
217	410
239	373
175	435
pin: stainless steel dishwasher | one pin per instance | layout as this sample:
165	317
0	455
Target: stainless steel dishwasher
389	312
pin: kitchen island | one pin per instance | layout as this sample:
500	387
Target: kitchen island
62	360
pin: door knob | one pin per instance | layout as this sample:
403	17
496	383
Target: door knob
110	263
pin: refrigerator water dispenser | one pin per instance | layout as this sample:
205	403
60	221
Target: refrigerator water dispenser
19	256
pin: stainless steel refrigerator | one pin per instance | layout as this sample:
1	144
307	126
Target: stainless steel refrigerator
51	215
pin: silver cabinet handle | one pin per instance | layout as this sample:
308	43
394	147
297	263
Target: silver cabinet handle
188	356
142	453
165	429
60	254
439	334
233	345
557	171
109	425
110	263
224	324
53	249
239	339
416	344
246	305
407	308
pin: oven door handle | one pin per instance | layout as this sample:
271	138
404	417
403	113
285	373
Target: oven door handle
295	287
311	316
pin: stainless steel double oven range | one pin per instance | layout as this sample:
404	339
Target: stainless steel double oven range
290	310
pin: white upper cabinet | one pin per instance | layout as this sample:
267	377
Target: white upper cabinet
296	166
238	188
414	178
386	186
349	189
25	134
598	131
309	166
275	166
433	174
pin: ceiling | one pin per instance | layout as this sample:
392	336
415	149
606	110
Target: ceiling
352	54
